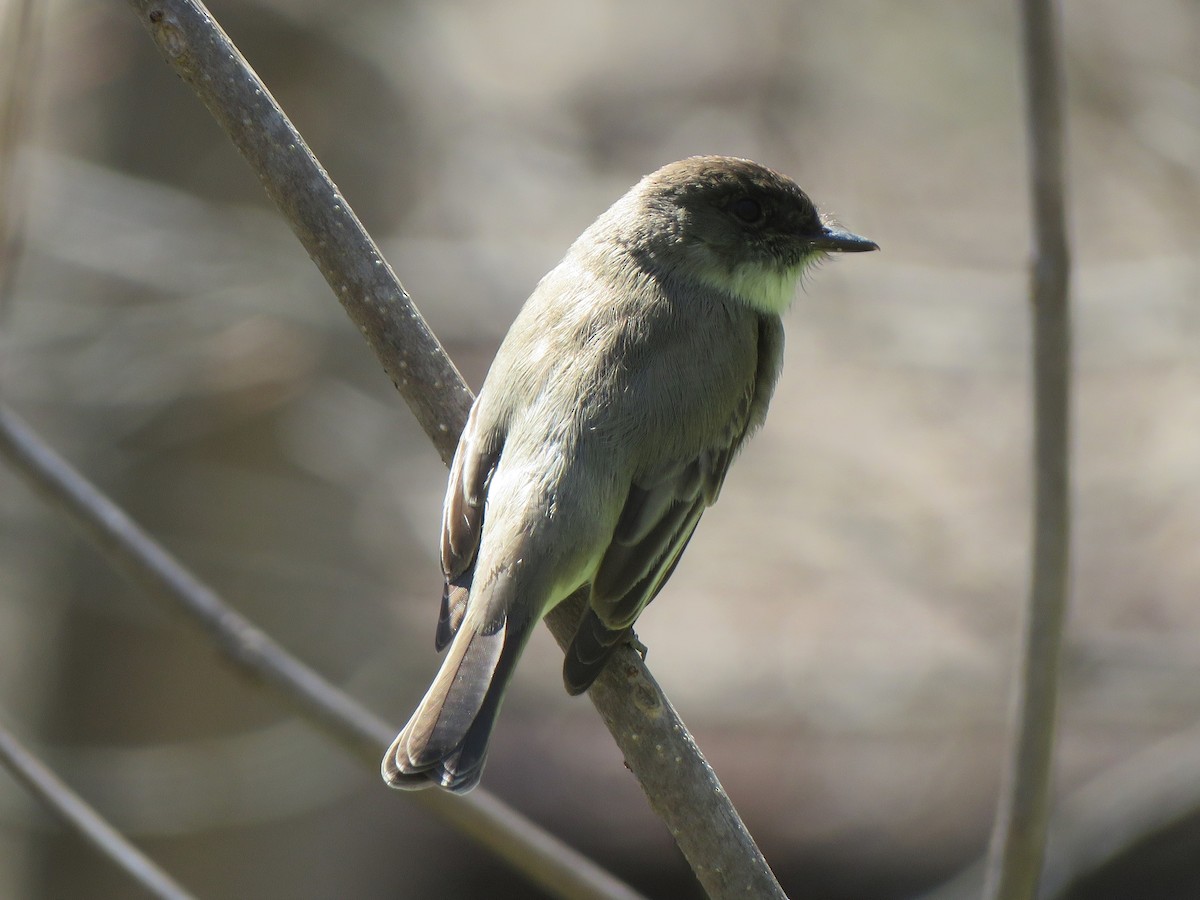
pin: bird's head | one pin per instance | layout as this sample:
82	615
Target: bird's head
733	225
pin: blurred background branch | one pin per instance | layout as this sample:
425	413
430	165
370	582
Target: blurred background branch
20	50
75	812
1022	819
541	857
1103	828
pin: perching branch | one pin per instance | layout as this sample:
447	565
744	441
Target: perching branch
681	786
543	858
74	811
715	841
204	57
1019	836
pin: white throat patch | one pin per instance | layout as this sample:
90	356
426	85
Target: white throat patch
759	286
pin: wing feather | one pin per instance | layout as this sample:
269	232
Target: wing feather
657	521
471	471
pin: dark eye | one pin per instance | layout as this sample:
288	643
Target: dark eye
747	210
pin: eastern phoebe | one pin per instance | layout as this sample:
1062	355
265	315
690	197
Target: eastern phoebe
605	427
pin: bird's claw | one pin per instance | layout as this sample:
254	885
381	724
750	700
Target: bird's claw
637	646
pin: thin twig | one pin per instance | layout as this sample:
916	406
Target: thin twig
542	857
75	811
672	770
1019	836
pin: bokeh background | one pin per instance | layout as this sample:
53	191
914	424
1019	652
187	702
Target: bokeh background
840	635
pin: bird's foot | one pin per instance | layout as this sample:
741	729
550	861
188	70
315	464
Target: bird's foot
636	646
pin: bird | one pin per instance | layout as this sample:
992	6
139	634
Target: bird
628	382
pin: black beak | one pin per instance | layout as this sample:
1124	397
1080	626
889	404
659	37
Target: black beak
836	240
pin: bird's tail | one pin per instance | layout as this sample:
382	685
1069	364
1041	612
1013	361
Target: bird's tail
445	741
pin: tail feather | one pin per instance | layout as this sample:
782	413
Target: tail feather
445	742
453	610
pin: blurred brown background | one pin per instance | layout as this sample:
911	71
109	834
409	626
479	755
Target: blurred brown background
840	635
